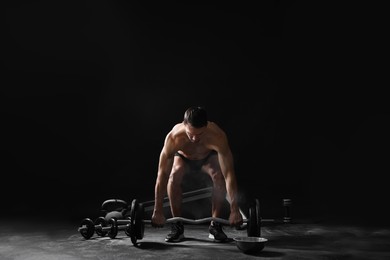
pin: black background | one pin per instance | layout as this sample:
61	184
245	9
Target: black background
91	88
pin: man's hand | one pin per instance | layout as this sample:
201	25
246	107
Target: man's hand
235	218
158	219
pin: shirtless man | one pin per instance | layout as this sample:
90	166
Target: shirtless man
199	143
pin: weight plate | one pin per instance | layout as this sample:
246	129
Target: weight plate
87	228
139	216
258	216
103	223
252	227
114	228
133	221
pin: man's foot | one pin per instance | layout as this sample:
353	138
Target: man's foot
177	233
216	232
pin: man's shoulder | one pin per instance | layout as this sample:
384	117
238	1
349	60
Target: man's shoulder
215	129
176	132
177	129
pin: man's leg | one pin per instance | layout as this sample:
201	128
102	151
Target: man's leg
174	185
175	199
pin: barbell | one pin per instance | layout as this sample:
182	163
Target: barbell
134	225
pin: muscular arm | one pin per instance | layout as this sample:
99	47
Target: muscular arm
164	169
165	165
226	162
225	158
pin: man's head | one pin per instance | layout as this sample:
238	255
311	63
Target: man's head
195	119
195	116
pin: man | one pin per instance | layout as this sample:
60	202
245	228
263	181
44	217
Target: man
200	144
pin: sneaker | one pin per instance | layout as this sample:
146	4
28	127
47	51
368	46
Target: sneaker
216	232
177	233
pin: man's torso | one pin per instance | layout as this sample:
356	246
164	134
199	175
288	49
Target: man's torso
191	150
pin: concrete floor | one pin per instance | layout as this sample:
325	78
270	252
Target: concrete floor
39	240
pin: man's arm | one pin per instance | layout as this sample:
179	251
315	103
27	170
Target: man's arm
227	167
225	158
164	170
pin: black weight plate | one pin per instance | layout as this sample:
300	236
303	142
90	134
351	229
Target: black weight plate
103	223
133	221
252	228
139	216
128	227
114	228
87	228
258	216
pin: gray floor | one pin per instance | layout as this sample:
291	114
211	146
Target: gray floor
21	240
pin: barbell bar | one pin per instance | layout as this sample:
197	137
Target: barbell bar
136	224
195	221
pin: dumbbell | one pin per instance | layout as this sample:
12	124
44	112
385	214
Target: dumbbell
135	225
287	210
102	227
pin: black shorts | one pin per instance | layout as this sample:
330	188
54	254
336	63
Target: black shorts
196	165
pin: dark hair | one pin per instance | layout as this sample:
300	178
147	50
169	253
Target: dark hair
195	116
